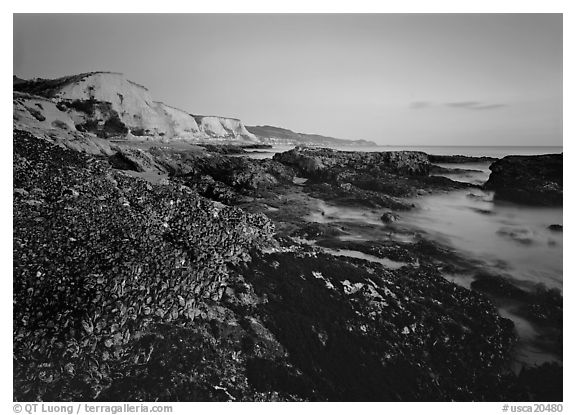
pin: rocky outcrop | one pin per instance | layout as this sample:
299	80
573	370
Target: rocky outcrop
134	159
534	180
459	159
321	161
399	322
109	104
392	173
224	179
389	217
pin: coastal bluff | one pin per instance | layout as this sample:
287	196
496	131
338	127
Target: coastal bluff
110	105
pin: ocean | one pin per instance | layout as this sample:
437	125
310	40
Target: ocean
494	151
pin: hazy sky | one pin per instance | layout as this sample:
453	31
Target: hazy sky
394	79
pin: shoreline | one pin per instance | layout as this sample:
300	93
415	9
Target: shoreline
283	291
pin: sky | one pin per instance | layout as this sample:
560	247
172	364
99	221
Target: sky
395	79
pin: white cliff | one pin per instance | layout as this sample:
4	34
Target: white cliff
103	99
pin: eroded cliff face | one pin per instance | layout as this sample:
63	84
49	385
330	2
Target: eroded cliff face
222	127
109	104
44	118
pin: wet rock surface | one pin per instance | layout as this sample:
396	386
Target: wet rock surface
217	285
101	260
211	175
458	159
541	306
390	174
533	180
319	161
373	334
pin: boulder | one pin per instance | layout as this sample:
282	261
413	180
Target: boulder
389	217
242	174
133	159
533	180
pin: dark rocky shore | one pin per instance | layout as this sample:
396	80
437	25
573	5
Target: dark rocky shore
215	285
535	180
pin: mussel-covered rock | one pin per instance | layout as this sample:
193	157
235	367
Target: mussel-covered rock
101	259
534	180
127	290
311	162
